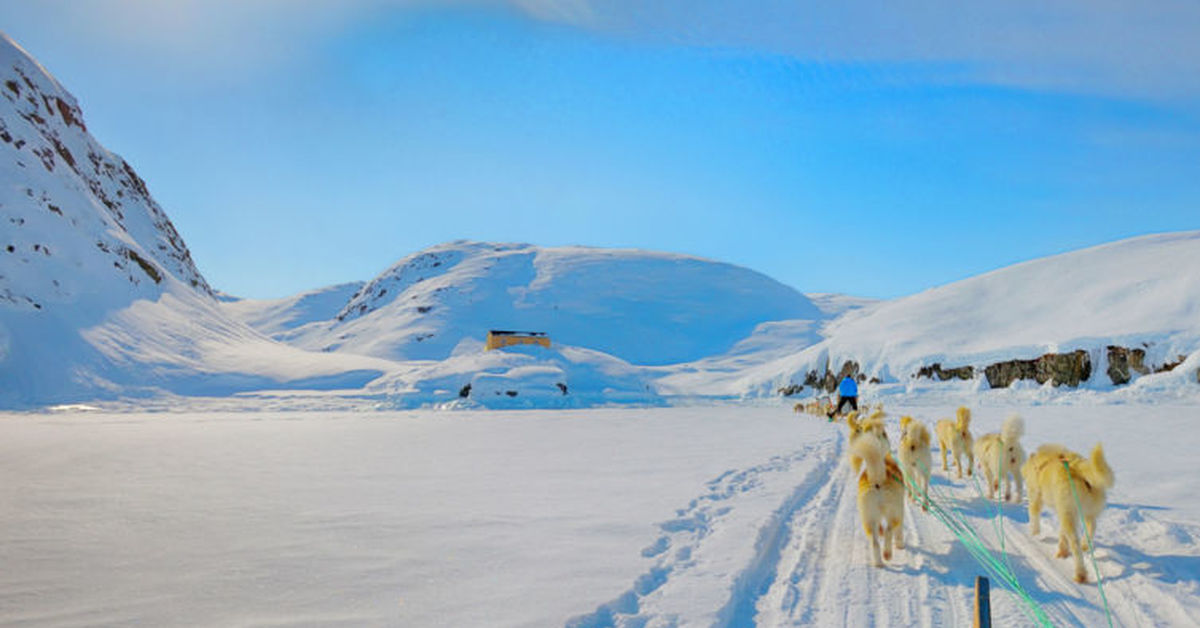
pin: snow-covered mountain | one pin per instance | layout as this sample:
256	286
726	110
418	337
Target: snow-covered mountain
1097	317
643	307
99	297
98	292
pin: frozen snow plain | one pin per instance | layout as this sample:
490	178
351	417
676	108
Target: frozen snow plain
722	515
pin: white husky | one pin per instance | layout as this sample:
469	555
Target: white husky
1001	456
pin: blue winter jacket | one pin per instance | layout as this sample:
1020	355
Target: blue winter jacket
848	388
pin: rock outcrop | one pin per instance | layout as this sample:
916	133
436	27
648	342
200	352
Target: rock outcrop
1124	362
828	381
1061	369
936	370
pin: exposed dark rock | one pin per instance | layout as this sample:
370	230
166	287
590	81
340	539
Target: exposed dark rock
790	389
936	370
1123	362
69	115
62	151
562	387
1170	366
1061	369
465	391
146	266
829	381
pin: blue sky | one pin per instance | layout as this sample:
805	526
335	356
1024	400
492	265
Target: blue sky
860	149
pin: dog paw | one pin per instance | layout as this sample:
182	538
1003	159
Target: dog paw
887	556
1062	553
1081	577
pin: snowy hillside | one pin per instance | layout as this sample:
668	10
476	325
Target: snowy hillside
1103	315
640	306
277	317
98	293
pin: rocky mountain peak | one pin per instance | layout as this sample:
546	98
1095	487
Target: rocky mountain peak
69	205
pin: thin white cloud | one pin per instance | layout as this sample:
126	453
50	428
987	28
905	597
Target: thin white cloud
1143	50
1107	47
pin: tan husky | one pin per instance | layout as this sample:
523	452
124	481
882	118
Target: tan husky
1000	455
880	497
1074	486
870	427
915	458
954	437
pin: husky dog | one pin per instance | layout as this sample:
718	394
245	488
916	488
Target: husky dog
871	428
1075	487
954	437
915	458
1000	456
819	406
880	497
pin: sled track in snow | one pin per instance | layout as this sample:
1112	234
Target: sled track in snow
755	580
811	563
683	536
825	576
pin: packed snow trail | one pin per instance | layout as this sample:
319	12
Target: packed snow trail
809	563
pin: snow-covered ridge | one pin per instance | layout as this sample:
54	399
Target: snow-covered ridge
1142	294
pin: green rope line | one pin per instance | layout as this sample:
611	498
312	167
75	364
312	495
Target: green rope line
957	523
998	521
1091	543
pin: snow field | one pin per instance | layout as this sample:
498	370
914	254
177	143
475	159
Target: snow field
363	519
728	516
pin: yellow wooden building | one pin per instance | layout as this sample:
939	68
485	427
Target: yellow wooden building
497	338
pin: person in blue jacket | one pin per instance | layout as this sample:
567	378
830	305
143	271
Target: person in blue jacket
847	394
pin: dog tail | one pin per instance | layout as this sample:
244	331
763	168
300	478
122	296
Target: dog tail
904	421
919	434
1013	429
1096	470
964	417
872	453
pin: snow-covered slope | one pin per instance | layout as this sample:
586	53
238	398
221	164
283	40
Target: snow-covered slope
277	317
1141	294
98	292
640	306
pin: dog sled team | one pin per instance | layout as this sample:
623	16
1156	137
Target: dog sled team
1075	487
